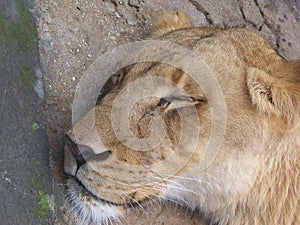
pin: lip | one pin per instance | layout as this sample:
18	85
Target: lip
123	206
87	191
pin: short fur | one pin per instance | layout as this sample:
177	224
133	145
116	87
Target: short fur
254	179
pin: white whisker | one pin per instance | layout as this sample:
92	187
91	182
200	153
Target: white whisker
137	203
189	178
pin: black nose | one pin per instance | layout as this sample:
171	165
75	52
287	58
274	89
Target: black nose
83	154
75	152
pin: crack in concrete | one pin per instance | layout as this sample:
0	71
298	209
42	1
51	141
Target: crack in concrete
244	16
273	29
199	8
129	3
135	5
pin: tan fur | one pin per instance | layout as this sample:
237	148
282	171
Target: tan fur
255	177
170	22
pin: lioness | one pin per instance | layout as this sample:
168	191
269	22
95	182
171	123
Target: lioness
254	178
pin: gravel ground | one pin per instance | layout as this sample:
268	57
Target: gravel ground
71	36
70	42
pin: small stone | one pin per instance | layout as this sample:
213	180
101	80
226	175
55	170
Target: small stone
129	22
35	126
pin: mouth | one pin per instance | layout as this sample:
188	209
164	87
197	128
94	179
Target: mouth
88	193
74	184
86	208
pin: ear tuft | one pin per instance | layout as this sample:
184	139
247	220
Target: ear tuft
274	96
170	22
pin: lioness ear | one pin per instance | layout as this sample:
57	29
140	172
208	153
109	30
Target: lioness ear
274	95
170	22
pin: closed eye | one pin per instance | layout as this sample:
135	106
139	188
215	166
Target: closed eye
198	100
179	101
164	103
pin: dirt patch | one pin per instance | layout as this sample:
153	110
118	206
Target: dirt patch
74	33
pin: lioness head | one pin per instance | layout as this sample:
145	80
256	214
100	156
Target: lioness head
159	156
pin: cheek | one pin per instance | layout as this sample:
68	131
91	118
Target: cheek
189	121
142	115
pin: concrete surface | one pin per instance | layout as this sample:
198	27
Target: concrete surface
73	33
71	36
26	195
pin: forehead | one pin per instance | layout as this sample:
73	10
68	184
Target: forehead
165	78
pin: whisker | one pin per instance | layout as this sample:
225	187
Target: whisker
182	200
173	201
154	201
189	178
136	202
179	186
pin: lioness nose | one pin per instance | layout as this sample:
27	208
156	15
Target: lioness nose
75	152
82	154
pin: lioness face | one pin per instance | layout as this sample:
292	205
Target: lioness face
112	175
108	177
108	173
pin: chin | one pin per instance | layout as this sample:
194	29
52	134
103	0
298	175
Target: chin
88	208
